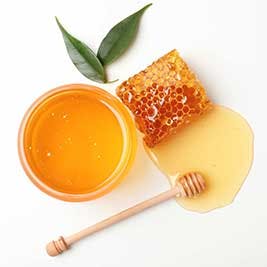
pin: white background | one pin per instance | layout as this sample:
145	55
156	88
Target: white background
224	42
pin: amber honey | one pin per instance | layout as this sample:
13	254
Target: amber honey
79	141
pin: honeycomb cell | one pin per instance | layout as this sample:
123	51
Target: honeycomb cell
144	99
180	105
174	109
180	114
185	109
174	102
169	114
137	112
179	97
164	97
179	90
157	124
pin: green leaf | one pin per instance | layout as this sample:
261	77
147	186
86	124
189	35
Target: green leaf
120	37
83	57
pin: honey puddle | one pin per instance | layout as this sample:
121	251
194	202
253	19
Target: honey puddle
219	145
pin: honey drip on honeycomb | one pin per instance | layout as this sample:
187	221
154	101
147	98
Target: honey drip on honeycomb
164	97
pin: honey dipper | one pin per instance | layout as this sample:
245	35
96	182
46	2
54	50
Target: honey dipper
188	185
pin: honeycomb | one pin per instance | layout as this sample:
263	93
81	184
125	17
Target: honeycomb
164	97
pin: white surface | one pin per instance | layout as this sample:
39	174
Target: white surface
224	42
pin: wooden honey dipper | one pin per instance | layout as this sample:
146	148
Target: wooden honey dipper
188	185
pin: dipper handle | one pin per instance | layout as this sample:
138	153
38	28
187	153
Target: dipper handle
189	185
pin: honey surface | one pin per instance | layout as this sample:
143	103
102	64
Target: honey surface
219	145
73	141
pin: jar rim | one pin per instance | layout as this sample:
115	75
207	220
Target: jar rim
127	157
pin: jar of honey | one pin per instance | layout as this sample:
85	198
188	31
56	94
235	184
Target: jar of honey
77	142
